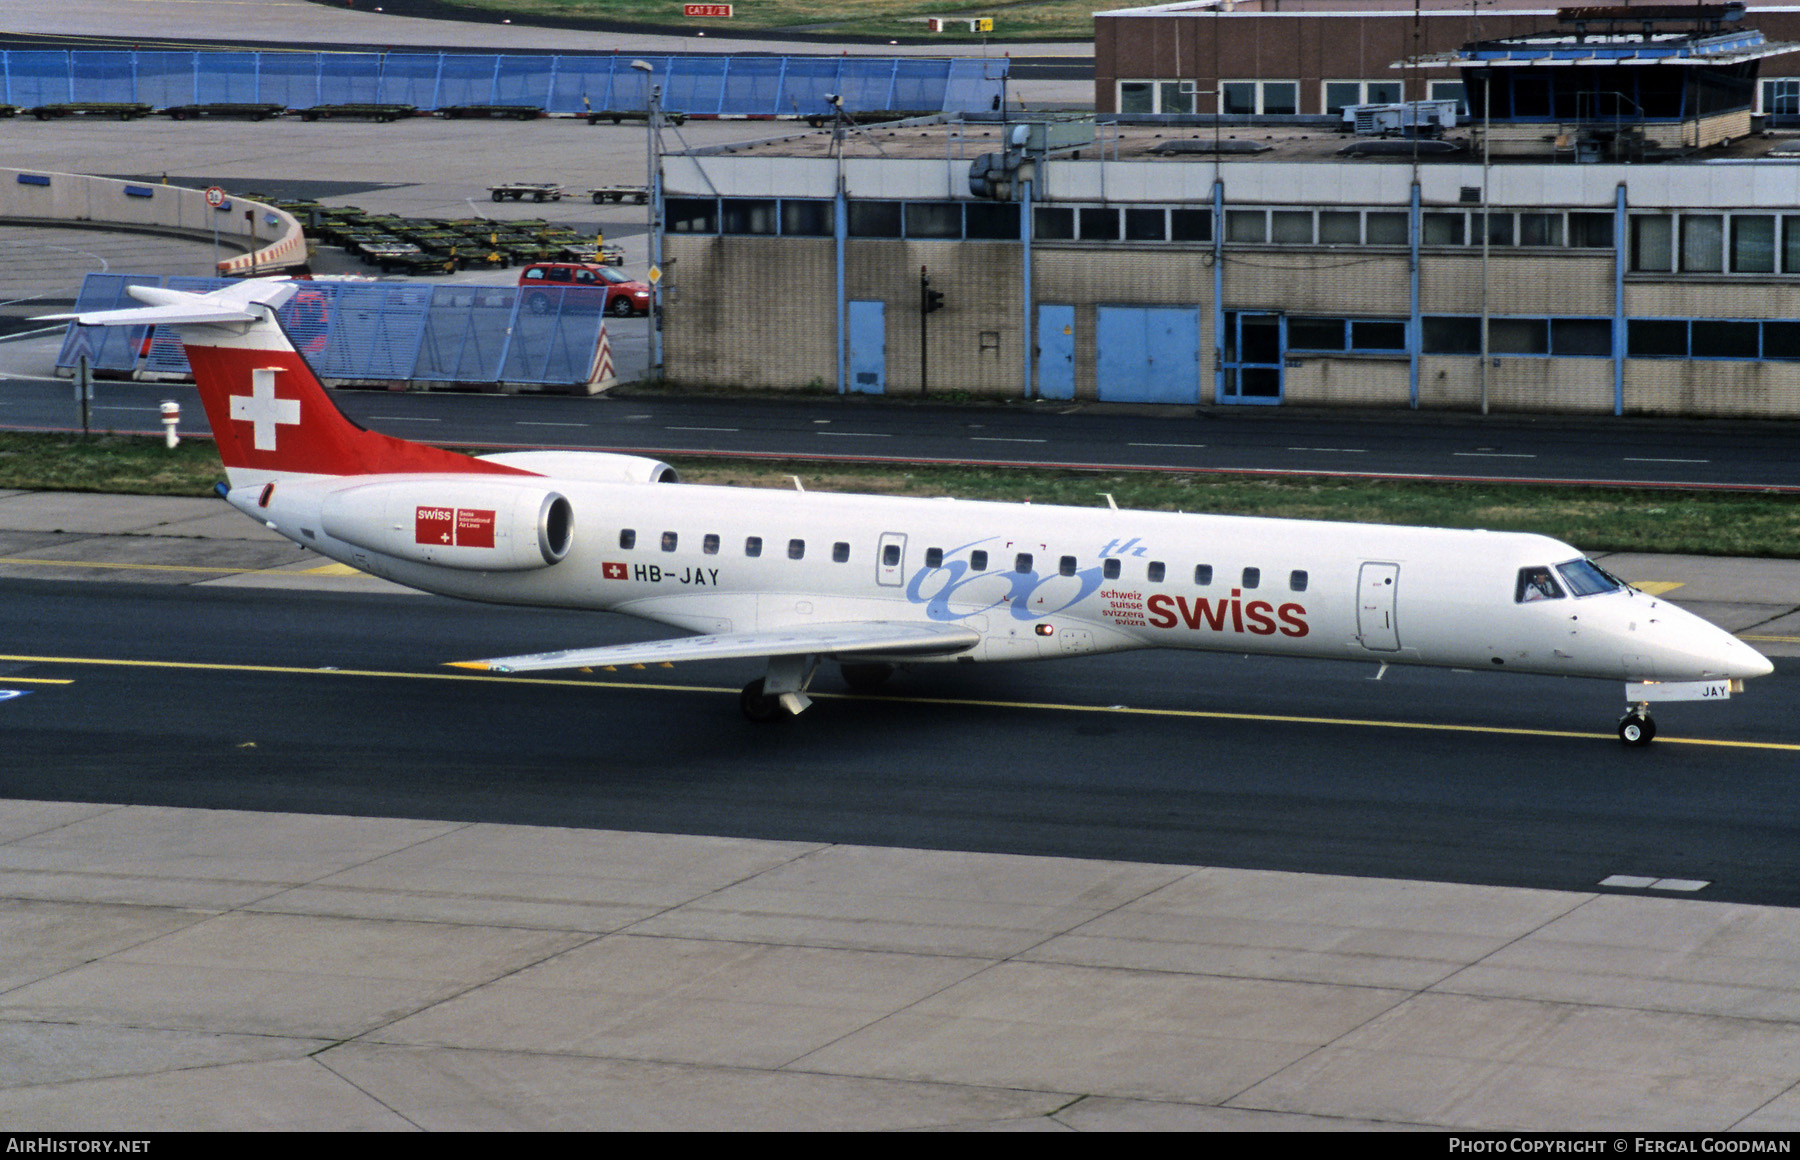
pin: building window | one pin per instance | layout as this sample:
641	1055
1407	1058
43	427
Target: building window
1291	226
1099	224
1652	243
807	219
933	219
747	215
1752	243
1386	229
1702	243
691	215
1339	227
1053	223
992	221
874	219
1137	97
1591	231
1271	98
1145	225
1734	340
1246	225
1195	225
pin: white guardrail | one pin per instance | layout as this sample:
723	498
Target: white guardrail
270	238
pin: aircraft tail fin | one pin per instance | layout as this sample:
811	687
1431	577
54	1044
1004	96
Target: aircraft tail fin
269	413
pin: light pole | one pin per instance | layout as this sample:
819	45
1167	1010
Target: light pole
653	185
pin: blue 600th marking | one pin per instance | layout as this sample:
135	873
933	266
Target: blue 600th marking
953	574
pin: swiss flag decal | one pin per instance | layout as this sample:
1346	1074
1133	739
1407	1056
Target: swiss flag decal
612	571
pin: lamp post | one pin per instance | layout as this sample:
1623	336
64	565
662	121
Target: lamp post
653	184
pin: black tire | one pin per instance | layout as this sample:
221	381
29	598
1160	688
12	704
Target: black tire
499	196
538	303
1636	730
599	199
759	706
620	306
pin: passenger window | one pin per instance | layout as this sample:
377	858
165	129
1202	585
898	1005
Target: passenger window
1066	566
1022	562
753	546
1110	569
668	541
1536	583
710	544
1154	573
627	538
1252	577
978	561
1297	581
534	275
840	552
1203	575
934	557
890	555
796	549
557	274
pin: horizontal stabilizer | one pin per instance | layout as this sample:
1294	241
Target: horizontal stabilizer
238	302
880	638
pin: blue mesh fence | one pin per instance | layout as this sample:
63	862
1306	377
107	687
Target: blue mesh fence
697	85
107	348
382	331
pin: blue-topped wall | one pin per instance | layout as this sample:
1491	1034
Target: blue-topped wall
766	86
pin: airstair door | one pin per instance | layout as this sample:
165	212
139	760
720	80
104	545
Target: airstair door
1377	593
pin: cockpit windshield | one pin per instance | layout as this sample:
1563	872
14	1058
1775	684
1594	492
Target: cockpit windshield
1580	577
1586	578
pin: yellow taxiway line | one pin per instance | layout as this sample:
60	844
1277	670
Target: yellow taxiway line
1039	706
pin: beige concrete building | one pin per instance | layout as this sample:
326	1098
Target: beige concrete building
1152	265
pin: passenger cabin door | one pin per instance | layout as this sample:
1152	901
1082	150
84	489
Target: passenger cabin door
890	559
1377	591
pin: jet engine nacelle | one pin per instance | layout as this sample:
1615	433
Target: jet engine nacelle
481	525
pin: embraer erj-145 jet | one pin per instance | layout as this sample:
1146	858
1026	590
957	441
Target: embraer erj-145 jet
871	582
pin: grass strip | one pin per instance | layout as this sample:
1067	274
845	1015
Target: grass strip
1596	519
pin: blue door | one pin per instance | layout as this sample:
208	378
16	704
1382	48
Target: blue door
1056	352
868	348
1148	354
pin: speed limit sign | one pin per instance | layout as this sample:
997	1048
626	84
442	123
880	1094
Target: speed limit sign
215	196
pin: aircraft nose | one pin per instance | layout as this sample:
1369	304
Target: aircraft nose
1746	662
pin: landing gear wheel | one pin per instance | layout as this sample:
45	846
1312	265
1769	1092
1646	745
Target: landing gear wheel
1636	729
760	706
865	678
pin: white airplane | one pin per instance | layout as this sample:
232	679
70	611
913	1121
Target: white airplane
872	582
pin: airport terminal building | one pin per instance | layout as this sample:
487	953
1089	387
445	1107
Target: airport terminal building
1554	261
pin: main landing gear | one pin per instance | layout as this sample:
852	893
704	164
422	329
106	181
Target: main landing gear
1636	729
782	693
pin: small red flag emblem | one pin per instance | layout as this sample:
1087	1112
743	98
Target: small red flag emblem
612	571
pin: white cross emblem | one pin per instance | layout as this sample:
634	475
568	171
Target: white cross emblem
262	408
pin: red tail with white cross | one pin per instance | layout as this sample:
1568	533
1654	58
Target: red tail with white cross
268	411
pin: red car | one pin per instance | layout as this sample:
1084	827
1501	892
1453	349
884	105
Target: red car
624	296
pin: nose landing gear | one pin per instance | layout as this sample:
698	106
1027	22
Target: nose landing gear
1636	729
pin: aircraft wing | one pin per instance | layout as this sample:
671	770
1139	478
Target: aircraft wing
879	638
